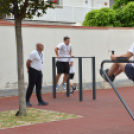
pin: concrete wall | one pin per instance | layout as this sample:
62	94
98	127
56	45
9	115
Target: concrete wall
85	42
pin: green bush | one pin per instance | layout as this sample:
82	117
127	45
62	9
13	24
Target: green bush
127	16
123	16
120	4
99	17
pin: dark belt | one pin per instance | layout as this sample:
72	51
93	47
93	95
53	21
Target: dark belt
35	69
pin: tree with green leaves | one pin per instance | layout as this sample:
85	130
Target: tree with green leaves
99	17
22	9
122	15
120	4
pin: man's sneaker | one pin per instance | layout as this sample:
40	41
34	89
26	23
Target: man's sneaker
73	92
56	86
104	77
42	103
28	104
63	86
74	89
112	78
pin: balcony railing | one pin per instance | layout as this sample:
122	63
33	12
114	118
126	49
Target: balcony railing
63	14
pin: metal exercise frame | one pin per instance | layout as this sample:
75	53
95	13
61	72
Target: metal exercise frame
80	77
116	91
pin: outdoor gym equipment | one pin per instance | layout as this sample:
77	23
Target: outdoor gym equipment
80	77
118	60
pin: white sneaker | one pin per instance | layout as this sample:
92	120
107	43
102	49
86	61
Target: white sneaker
56	86
63	86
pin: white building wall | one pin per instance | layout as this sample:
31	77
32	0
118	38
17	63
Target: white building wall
86	3
85	42
100	3
71	10
73	3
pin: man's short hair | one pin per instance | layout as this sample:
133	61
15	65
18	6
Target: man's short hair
65	38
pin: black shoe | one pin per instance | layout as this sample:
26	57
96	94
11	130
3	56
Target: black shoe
42	103
104	77
66	93
74	88
28	104
73	92
112	78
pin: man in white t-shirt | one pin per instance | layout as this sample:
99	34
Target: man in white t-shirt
63	50
118	68
34	68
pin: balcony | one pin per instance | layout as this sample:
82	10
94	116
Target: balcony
63	14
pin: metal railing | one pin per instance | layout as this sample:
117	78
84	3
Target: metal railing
80	77
63	14
116	91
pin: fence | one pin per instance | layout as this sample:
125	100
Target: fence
63	13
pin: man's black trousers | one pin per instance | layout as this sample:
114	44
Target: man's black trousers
35	78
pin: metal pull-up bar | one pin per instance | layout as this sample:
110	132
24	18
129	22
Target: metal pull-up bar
80	77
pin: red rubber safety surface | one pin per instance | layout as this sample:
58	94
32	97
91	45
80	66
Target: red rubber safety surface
105	115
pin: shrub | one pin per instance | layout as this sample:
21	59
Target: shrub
127	15
120	4
119	17
99	17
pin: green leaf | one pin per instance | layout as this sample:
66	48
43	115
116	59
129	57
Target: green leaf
34	7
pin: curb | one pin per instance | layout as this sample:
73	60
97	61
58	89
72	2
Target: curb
86	86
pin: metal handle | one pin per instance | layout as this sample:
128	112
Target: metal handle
113	52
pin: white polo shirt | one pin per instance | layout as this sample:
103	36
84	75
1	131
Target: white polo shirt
64	52
37	60
72	68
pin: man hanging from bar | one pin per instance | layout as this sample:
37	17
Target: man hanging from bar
118	68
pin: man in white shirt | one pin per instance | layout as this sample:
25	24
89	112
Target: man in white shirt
63	50
118	68
34	67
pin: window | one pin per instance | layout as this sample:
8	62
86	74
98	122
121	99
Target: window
57	2
54	1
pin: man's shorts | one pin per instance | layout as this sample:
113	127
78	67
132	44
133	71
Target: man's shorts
62	67
71	76
129	70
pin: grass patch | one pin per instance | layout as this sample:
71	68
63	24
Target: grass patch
33	116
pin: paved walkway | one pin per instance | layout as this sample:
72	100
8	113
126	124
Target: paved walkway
106	115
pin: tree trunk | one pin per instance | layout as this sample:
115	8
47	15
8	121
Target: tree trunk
2	16
20	63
